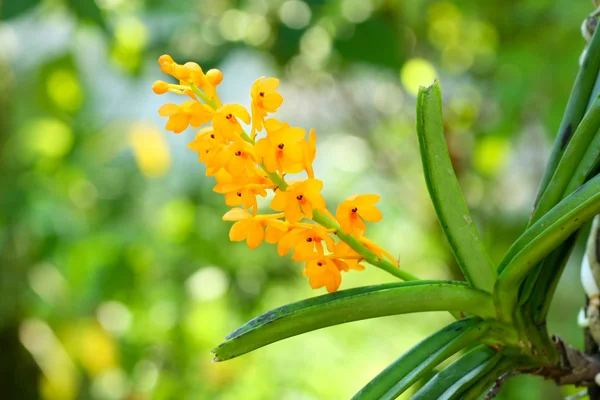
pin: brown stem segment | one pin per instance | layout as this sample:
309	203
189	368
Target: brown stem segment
574	367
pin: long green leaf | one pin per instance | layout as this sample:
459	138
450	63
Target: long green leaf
576	107
421	359
485	382
354	305
571	161
446	195
452	382
543	237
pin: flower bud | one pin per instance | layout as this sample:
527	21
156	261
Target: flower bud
160	87
214	76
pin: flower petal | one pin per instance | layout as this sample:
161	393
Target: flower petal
239	231
236	214
168	109
370	213
367	199
255	236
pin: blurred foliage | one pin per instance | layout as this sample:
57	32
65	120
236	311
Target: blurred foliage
116	273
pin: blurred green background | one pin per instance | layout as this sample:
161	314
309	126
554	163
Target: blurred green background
116	273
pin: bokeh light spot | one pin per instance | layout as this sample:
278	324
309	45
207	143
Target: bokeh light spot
131	34
115	317
258	31
150	150
207	284
47	282
491	154
295	14
48	137
64	90
357	11
315	46
417	72
233	25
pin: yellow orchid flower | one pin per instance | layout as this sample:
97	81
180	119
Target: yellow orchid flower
225	120
242	192
248	227
351	213
346	253
323	272
299	200
238	158
265	99
245	169
275	231
282	150
208	144
190	112
306	243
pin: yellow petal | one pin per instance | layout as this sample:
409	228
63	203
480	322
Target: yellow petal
370	213
307	209
292	212
177	123
255	236
168	109
272	101
279	201
238	231
269	85
236	214
286	242
240	112
293	152
367	199
343	217
273	234
232	199
313	185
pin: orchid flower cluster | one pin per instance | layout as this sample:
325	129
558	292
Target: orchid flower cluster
247	166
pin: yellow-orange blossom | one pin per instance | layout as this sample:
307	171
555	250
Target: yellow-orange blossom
245	169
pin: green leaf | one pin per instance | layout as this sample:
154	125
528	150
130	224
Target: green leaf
485	382
576	108
543	237
451	382
446	195
422	358
354	305
575	158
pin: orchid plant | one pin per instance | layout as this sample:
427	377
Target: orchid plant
500	310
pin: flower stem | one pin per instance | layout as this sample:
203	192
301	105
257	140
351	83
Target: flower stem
210	102
367	254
